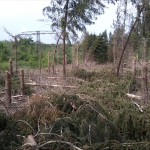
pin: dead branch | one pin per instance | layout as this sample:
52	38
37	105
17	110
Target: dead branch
139	107
134	96
54	85
59	141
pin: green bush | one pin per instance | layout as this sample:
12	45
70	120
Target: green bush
2	80
4	66
85	75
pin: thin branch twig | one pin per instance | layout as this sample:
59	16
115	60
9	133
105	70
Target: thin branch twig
58	141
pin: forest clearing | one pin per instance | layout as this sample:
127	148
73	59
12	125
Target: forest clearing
79	93
89	109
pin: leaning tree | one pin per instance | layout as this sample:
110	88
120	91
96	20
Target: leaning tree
70	16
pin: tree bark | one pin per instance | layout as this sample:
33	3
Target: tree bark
8	88
123	30
22	85
64	37
16	55
49	64
130	33
54	55
10	67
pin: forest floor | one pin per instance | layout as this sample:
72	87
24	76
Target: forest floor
87	110
41	81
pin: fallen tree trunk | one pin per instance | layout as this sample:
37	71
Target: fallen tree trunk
17	96
54	85
134	96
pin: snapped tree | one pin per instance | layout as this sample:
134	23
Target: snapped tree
141	9
70	16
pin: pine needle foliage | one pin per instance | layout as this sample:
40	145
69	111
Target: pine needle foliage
97	115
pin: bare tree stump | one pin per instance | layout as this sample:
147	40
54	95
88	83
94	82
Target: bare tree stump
8	88
22	85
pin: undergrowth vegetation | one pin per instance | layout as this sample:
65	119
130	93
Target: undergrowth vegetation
96	116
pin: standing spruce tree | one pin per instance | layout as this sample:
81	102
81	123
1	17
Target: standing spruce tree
70	16
86	45
99	49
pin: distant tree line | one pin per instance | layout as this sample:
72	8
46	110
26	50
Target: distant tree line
27	55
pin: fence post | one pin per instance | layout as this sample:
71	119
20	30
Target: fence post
10	67
66	59
73	56
8	88
22	86
77	57
49	65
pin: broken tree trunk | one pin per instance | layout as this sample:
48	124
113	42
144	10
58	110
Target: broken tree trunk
145	73
10	67
8	88
22	85
49	64
128	38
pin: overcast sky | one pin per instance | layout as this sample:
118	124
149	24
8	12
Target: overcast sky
22	15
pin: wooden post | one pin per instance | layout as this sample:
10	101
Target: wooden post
10	67
16	55
114	51
145	73
49	64
134	67
77	57
40	62
8	88
73	56
54	62
22	85
66	58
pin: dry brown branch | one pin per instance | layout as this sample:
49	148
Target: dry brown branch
139	107
63	142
